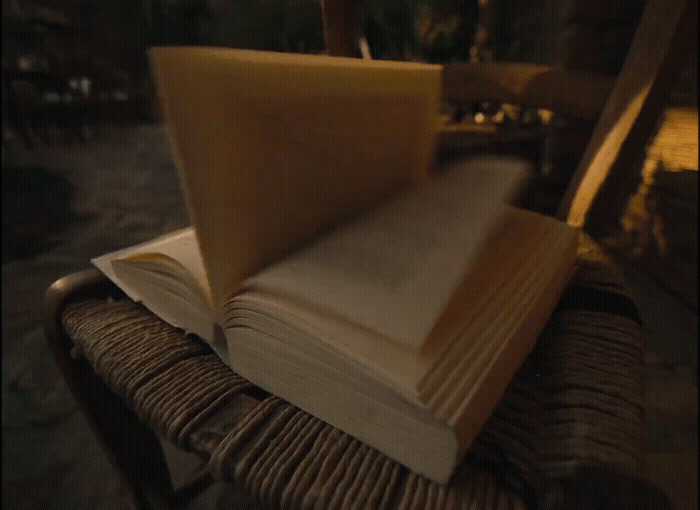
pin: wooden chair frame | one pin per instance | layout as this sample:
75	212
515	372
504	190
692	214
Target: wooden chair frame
627	108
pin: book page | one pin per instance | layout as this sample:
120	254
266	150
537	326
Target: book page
180	247
395	269
275	148
167	276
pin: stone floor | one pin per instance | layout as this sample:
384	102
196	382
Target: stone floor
126	191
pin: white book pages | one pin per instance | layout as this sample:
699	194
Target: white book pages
395	269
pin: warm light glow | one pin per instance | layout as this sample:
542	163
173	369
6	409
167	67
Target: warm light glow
545	115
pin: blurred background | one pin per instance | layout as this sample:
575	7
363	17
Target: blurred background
86	169
85	61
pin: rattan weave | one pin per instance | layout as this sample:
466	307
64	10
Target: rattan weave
576	401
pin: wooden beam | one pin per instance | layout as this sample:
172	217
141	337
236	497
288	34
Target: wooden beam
339	28
570	93
641	91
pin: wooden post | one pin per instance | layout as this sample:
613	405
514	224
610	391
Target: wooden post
339	27
635	104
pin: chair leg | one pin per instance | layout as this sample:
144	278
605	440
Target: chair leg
131	447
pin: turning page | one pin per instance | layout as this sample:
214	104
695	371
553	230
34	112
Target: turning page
274	148
395	269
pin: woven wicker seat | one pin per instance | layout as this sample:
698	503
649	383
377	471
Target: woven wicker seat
576	402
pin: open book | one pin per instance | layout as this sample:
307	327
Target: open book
402	325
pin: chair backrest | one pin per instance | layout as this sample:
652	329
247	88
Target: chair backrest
631	112
627	108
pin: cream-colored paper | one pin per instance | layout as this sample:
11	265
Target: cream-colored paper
274	148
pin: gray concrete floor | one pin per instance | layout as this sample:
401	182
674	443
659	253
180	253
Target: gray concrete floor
126	191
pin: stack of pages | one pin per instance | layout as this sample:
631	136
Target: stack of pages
398	312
